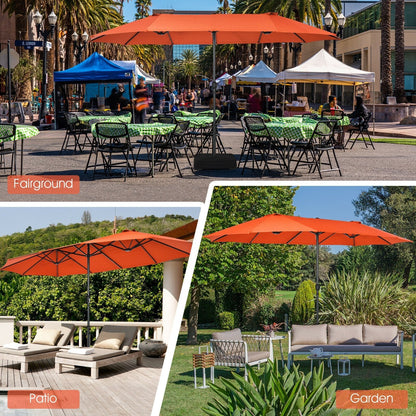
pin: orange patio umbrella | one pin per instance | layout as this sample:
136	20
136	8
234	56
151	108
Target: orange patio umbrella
196	29
118	251
286	229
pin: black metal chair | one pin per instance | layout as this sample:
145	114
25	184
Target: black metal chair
112	139
339	134
75	129
168	149
8	147
361	131
261	147
310	152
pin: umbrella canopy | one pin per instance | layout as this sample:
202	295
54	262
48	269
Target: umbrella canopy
118	251
177	29
286	229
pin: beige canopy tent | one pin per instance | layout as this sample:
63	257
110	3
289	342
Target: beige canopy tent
323	68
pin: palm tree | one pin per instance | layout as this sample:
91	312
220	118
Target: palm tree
399	51
189	64
385	26
143	8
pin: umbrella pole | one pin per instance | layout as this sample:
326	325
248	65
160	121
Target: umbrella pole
214	95
317	285
88	298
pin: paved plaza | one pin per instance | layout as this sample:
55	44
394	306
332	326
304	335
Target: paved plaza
388	162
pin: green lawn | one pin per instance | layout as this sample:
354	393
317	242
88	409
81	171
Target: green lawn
380	372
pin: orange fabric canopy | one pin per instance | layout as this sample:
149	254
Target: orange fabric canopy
119	251
286	229
175	29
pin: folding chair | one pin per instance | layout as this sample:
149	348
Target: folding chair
361	131
310	152
261	146
112	139
75	129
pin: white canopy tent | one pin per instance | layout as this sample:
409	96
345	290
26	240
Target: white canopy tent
138	72
223	79
258	73
323	68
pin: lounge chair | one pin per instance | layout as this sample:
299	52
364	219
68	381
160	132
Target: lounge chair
232	349
47	342
113	346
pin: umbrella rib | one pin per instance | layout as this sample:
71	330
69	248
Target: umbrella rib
166	245
329	236
296	235
254	238
300	37
100	250
130	39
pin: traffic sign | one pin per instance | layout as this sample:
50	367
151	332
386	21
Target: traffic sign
28	44
14	58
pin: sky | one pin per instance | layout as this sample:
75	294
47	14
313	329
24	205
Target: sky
17	219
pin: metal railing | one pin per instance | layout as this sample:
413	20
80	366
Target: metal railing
146	329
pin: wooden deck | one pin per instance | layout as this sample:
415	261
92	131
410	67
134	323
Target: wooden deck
122	389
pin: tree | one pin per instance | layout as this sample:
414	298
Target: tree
246	269
189	64
385	26
391	208
399	51
86	217
142	7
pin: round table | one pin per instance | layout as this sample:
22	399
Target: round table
124	118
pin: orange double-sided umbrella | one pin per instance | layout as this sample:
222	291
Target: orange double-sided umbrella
286	229
118	251
197	29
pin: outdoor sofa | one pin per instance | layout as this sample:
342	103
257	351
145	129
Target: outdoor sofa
232	349
48	340
346	340
113	346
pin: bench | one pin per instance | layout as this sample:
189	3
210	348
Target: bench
346	340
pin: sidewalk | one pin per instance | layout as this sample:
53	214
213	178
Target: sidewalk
393	129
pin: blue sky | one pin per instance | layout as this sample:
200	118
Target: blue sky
129	9
17	219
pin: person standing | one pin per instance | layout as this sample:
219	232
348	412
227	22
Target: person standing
141	102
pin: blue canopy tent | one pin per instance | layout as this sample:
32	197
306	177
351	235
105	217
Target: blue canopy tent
94	69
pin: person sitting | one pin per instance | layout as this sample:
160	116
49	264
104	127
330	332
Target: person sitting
331	105
360	112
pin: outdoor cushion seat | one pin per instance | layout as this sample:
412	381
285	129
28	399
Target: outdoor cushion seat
346	340
98	354
232	349
36	352
348	347
102	357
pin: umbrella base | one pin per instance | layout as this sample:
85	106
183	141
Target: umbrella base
218	161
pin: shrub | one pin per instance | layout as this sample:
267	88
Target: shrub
369	297
272	393
304	302
226	320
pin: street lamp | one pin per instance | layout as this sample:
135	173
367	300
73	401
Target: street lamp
52	18
79	47
328	25
250	58
268	54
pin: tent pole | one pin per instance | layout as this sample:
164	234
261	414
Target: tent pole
88	297
353	97
374	107
214	95
275	98
284	98
132	103
317	286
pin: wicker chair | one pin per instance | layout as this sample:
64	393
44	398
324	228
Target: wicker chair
232	349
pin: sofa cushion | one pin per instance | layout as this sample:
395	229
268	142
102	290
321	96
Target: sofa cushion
309	334
345	334
98	354
258	356
109	340
379	333
345	349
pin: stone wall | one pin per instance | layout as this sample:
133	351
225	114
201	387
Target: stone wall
394	112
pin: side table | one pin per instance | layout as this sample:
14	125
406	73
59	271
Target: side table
325	356
279	338
203	360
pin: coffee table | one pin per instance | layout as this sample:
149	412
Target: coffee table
324	356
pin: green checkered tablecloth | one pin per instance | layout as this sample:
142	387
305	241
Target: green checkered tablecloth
183	113
152	129
292	131
196	122
23	132
124	118
344	122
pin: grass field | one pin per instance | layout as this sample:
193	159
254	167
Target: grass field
379	372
